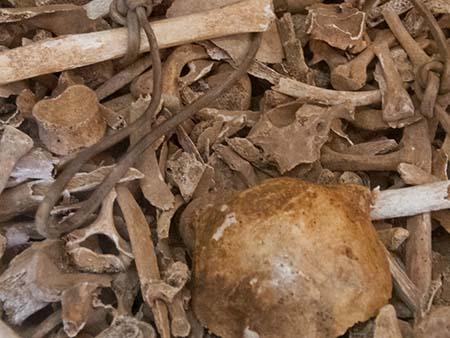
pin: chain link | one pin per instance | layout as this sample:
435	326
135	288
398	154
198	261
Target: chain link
124	12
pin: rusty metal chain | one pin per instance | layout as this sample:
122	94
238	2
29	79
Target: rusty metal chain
141	125
440	67
48	227
125	13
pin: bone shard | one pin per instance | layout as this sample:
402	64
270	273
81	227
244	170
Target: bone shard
411	201
386	323
13	145
37	164
38	276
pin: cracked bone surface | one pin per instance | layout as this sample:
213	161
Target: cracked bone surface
25	286
277	246
285	247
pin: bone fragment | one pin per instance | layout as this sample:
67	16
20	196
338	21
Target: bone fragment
144	253
6	331
403	286
386	323
314	94
13	145
411	201
97	8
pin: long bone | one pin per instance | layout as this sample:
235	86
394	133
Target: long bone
67	52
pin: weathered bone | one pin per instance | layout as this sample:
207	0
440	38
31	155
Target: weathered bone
185	171
153	185
404	287
25	287
308	124
97	8
143	249
13	145
353	74
18	200
76	305
37	164
431	326
70	121
165	218
78	50
393	238
87	259
238	97
6	331
172	70
397	104
323	52
411	201
415	53
237	164
325	96
125	326
295	59
126	287
3	244
386	323
198	69
414	144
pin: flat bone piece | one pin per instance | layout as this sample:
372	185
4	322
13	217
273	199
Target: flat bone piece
38	163
18	200
76	303
13	145
394	237
386	323
72	51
